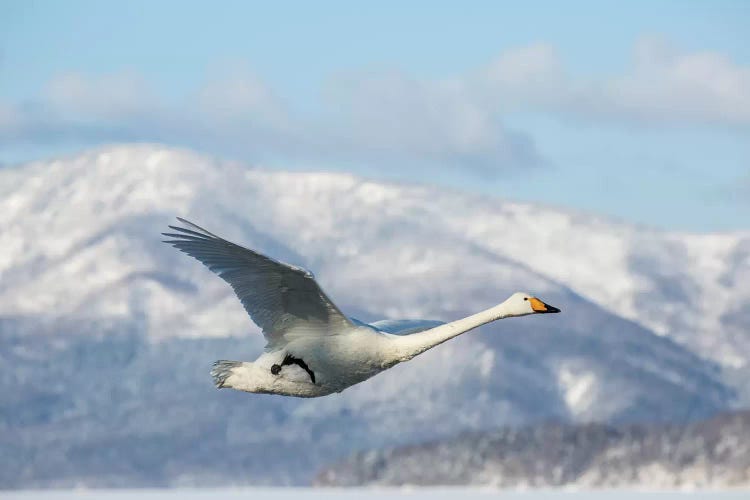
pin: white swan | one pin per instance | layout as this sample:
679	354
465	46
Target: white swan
313	348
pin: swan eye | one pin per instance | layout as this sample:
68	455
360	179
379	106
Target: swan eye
525	298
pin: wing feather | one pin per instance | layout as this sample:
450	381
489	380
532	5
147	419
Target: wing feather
280	298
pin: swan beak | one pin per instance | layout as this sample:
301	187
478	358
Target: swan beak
540	307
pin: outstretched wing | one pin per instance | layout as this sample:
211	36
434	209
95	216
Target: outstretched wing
405	326
283	300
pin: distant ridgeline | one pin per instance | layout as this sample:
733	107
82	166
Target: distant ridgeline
713	453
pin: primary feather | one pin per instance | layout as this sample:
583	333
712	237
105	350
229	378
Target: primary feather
283	300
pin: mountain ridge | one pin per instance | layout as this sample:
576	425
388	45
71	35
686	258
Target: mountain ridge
84	275
670	282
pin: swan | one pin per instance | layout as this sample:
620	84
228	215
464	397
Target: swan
313	349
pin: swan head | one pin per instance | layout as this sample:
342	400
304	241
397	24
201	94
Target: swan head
521	304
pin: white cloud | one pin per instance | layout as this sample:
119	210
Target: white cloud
660	87
239	97
665	86
388	121
523	77
113	96
393	115
394	119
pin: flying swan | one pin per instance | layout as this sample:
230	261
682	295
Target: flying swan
313	349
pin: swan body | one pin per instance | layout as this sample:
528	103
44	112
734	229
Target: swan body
313	348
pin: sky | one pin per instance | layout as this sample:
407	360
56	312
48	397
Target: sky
637	110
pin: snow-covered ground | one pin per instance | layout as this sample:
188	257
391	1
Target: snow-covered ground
366	494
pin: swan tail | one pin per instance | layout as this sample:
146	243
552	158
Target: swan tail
222	370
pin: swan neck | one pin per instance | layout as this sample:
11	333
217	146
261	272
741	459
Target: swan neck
417	343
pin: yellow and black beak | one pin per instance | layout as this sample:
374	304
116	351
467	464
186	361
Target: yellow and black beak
540	307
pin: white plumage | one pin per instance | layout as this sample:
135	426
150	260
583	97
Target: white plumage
313	349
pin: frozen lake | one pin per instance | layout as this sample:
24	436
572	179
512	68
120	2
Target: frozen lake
366	494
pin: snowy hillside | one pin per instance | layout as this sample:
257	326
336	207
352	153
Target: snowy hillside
109	333
92	219
713	454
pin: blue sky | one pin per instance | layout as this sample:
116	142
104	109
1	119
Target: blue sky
639	110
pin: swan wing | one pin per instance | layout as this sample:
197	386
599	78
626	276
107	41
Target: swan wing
283	300
405	326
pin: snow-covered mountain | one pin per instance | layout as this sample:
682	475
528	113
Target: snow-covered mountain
87	219
649	318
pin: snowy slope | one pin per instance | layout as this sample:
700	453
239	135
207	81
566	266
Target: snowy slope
93	218
83	275
712	454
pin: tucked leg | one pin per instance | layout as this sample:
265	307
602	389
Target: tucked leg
291	360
